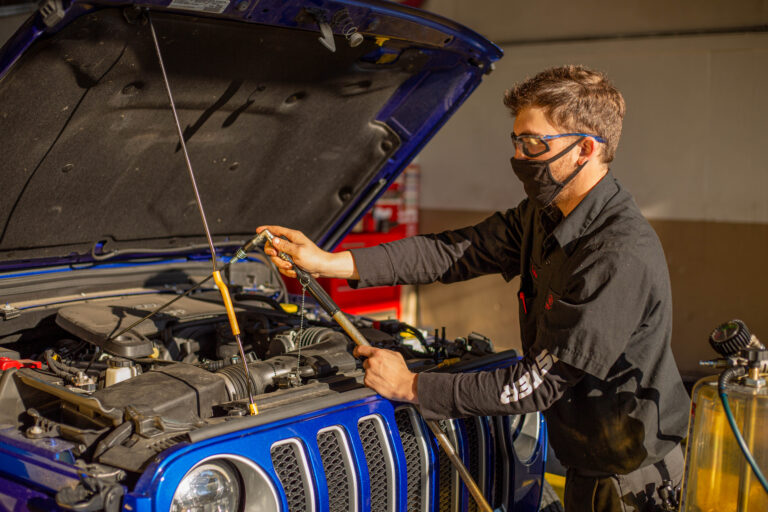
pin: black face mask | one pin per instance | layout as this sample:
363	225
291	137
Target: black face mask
539	184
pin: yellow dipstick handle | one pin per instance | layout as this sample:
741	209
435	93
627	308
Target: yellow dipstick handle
224	290
227	302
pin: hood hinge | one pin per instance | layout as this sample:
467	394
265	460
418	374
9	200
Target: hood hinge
52	12
9	312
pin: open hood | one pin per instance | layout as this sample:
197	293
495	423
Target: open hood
280	129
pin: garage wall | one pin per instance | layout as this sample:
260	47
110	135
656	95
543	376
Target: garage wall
693	134
692	151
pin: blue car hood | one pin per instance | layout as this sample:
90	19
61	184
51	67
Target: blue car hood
285	124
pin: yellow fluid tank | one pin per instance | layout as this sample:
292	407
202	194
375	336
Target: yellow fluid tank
717	475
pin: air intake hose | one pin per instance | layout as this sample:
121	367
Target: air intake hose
319	360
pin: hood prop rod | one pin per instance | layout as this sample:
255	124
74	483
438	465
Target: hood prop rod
330	307
223	289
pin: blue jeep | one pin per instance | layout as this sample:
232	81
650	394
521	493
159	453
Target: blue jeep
315	106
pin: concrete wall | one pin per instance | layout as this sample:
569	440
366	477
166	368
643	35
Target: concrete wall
506	21
692	152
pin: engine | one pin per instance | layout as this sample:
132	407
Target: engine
182	368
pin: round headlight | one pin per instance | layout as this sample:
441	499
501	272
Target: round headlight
525	437
209	487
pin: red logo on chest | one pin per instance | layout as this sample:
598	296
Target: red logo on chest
550	301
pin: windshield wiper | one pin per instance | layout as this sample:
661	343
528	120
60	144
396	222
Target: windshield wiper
102	256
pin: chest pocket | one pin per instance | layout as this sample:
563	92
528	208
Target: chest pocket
547	282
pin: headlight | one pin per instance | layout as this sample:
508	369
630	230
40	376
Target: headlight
209	487
525	437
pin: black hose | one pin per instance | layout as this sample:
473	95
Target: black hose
117	436
728	375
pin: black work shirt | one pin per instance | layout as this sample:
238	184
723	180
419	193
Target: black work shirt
595	320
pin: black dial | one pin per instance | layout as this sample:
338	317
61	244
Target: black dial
729	338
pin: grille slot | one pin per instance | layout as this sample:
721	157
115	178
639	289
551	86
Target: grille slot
476	444
380	465
292	470
474	453
415	448
339	474
449	478
500	462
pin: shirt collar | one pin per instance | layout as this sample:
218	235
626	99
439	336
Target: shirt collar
576	223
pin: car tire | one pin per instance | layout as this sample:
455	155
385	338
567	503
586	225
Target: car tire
550	501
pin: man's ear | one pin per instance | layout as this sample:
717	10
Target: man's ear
587	150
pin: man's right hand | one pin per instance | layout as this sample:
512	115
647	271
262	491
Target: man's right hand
307	255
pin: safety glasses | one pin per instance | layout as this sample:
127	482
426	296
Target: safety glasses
535	145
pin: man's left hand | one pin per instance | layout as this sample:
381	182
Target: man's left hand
387	374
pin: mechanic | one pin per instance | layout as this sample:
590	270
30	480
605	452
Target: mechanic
595	301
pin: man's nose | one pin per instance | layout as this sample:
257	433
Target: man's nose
518	152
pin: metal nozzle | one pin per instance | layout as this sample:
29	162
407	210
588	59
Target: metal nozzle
257	241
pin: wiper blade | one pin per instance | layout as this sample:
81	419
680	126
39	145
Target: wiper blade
102	256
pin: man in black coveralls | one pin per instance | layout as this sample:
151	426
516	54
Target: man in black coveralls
594	299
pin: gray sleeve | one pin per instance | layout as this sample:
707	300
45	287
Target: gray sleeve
492	246
534	383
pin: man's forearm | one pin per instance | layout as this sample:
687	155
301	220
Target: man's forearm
532	384
340	265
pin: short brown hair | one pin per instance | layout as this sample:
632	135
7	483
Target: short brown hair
576	99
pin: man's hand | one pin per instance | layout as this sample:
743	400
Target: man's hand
307	255
387	374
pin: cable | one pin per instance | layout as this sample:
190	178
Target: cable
722	382
59	369
283	288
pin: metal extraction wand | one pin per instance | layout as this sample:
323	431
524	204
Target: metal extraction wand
330	307
223	289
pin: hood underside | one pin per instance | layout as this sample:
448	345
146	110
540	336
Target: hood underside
279	130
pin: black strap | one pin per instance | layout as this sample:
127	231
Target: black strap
661	466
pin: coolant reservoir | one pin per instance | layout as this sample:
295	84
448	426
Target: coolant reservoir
717	475
118	371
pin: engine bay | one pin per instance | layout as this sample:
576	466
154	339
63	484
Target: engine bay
121	401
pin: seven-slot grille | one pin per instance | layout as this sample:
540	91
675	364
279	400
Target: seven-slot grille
481	438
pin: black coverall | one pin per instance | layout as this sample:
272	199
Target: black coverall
595	319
